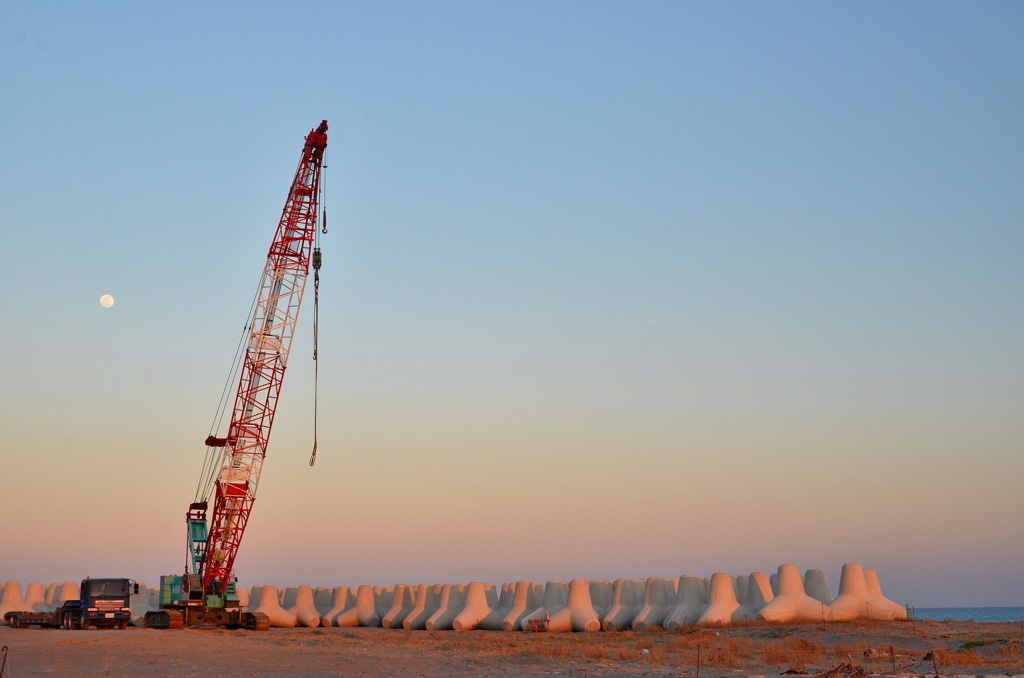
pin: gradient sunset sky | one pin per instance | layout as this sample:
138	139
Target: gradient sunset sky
610	289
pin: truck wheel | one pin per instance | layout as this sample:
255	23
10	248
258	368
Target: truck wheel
14	622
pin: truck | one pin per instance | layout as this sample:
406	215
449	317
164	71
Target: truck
103	603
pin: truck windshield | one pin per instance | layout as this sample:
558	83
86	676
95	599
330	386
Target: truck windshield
95	588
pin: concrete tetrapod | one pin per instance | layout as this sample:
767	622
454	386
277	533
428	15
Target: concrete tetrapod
35	598
303	607
791	602
690	603
343	600
255	593
528	597
11	600
287	596
140	605
383	599
741	587
51	594
401	605
602	596
269	604
366	607
556	597
759	592
854	601
323	600
69	590
626	604
580	608
428	599
362	598
492	621
659	597
723	607
816	586
851	603
479	603
453	601
875	591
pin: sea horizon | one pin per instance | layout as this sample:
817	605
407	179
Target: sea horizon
981	614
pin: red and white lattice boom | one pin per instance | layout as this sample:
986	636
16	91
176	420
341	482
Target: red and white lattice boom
265	361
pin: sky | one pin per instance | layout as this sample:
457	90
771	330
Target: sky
609	290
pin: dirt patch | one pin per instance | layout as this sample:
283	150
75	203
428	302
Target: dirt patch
954	648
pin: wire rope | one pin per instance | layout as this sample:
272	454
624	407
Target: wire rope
316	363
316	306
213	454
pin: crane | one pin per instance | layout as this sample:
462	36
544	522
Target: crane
206	593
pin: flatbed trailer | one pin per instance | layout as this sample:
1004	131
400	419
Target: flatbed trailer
68	617
23	619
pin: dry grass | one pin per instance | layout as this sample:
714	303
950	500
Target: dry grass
796	653
946	657
728	650
958	648
802	647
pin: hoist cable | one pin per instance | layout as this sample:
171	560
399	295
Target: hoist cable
323	199
213	454
317	260
316	363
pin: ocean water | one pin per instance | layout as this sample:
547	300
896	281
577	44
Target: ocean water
981	614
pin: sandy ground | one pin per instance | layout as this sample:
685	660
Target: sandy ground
914	647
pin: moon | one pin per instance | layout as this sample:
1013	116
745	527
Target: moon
106	301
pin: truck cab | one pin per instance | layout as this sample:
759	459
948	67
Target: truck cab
104	603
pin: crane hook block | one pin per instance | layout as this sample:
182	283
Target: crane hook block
317	259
